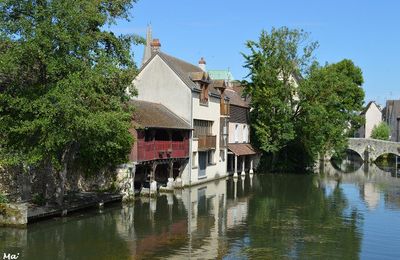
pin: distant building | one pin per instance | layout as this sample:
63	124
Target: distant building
221	75
241	154
391	115
373	117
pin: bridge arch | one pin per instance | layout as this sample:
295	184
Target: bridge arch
371	149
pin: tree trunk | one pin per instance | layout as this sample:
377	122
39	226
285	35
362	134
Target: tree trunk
273	162
63	177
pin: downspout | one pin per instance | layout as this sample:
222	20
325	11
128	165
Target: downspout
191	139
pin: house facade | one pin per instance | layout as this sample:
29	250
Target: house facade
161	148
391	115
372	115
242	157
187	91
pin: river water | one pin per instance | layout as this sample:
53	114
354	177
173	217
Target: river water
268	216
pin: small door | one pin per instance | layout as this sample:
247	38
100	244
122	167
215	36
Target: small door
202	163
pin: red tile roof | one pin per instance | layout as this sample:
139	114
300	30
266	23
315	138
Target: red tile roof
242	149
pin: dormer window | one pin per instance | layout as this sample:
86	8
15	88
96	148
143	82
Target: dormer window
204	93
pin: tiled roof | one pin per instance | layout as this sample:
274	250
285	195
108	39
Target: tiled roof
242	149
148	114
235	98
187	72
367	107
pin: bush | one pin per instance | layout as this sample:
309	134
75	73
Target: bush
3	198
38	199
381	132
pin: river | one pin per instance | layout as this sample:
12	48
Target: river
333	215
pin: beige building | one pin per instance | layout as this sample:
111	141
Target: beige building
188	92
373	117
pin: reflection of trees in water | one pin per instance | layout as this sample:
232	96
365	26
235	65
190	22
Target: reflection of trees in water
291	217
350	161
387	162
79	237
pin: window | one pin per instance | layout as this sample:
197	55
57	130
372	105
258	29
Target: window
210	156
222	155
194	160
236	133
204	94
202	127
245	134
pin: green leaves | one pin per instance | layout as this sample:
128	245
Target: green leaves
297	104
381	131
63	80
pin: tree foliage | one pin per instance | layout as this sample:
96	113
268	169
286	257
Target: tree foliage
62	84
381	131
300	108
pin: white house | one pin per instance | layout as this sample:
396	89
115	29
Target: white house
186	90
373	117
242	156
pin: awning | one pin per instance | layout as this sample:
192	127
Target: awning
242	149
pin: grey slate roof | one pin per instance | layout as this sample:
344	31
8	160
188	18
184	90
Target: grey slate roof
184	70
148	114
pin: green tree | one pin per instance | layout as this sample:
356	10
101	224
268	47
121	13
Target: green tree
381	131
295	120
272	62
62	85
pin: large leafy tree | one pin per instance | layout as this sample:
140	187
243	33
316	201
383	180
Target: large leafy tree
62	85
300	109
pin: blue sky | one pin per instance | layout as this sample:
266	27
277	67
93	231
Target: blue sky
365	31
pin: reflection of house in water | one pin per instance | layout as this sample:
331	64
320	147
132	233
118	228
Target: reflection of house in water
370	194
189	222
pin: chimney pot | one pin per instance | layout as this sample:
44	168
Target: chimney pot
155	45
202	64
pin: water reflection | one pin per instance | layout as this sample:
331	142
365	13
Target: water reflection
332	215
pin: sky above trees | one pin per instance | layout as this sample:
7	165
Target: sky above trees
363	31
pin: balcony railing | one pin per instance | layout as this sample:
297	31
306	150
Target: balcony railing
224	109
152	150
207	142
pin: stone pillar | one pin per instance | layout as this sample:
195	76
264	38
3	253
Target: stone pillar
251	165
235	187
235	173
170	184
153	183
251	175
243	165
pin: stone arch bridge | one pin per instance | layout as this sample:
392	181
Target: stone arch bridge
371	149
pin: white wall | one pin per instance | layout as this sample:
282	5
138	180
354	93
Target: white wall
373	117
210	113
242	136
158	83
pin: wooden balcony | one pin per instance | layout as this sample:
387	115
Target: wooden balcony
224	109
207	142
153	150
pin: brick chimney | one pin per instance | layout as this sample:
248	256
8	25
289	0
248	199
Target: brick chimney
202	64
155	45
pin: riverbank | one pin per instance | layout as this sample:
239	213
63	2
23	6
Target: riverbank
21	214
